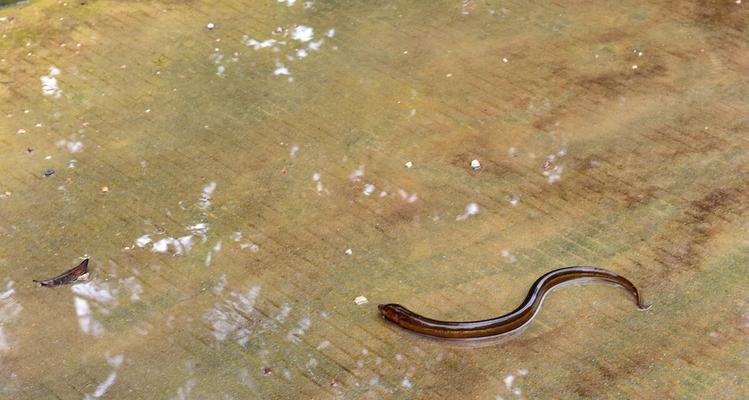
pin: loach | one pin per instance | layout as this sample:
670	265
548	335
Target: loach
66	277
512	321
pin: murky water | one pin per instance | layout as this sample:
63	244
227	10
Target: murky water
251	178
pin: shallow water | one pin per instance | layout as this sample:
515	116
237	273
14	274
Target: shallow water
238	185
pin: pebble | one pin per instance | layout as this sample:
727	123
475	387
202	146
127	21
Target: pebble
408	164
349	252
210	26
359	300
49	172
475	165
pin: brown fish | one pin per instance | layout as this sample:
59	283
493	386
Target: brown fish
513	321
66	277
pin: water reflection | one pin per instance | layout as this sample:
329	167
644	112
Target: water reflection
115	362
233	317
93	298
10	309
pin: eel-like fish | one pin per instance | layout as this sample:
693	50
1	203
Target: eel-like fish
66	277
511	322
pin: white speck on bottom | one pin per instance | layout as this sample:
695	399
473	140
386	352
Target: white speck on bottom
368	189
508	380
471	209
509	256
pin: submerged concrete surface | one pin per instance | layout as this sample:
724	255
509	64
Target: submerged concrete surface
217	178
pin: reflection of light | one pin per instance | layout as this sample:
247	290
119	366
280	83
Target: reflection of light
302	33
85	319
101	294
134	287
294	334
229	319
281	70
49	83
115	363
9	310
205	197
143	240
471	209
184	391
181	245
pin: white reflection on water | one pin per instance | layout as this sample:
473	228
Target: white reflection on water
86	320
179	246
182	245
143	240
230	318
184	391
135	288
296	39
200	229
73	145
219	287
471	209
101	295
115	362
411	198
283	313
205	197
302	33
357	174
300	330
49	83
9	310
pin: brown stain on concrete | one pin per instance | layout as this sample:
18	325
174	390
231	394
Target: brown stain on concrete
685	250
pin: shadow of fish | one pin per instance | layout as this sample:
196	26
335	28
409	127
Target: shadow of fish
66	277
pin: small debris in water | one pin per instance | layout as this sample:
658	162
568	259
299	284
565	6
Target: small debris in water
408	164
359	300
285	170
105	189
475	165
29	150
210	26
349	252
368	189
471	209
49	172
333	382
267	371
508	380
